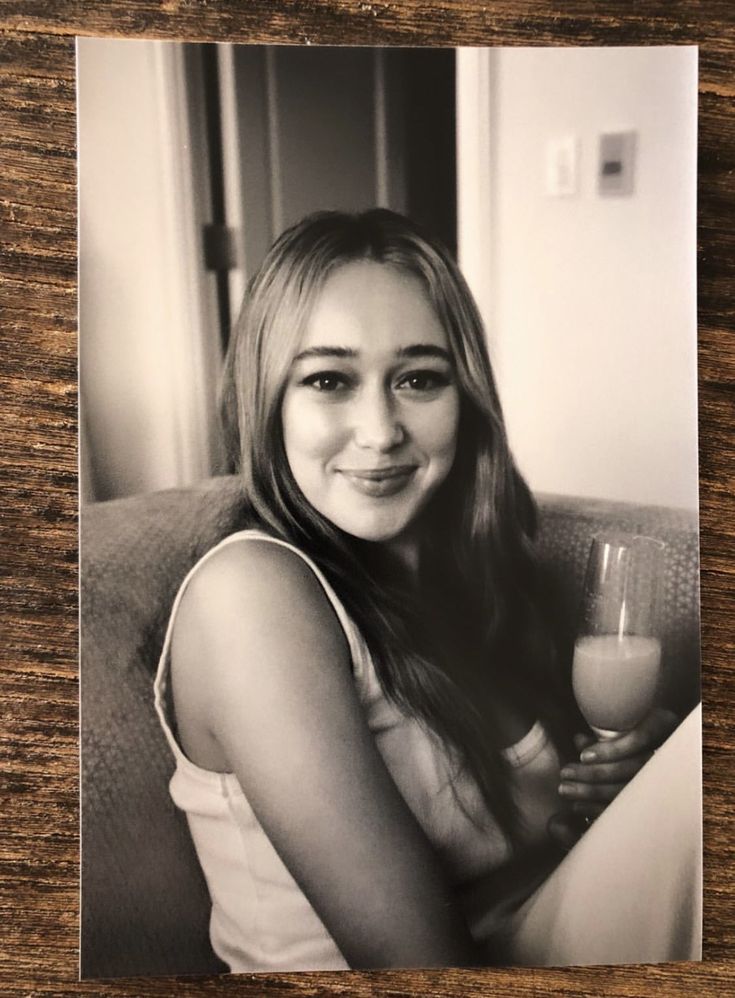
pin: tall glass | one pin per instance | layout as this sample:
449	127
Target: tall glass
617	655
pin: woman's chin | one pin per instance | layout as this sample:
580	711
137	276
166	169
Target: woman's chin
385	528
378	534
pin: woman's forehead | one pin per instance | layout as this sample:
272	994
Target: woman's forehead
366	304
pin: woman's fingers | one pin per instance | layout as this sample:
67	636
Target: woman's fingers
602	792
606	767
601	781
604	772
652	731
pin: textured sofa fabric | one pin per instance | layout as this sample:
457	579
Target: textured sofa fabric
144	901
145	906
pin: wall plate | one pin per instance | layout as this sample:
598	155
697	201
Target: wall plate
616	163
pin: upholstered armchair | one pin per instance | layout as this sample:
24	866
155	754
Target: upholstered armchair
144	901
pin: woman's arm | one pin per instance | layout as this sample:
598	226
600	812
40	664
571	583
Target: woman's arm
261	660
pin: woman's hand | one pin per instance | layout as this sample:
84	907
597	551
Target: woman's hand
604	768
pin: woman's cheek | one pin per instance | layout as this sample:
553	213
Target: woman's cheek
311	428
442	426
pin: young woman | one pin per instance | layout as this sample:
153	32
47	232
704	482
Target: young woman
370	710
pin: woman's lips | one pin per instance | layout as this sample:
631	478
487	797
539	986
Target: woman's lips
379	482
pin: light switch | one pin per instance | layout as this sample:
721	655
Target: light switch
562	166
616	165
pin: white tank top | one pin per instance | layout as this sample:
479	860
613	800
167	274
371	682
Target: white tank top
261	920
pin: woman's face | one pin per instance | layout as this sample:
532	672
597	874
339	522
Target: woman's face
371	405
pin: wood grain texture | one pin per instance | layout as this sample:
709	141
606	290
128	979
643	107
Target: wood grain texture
38	683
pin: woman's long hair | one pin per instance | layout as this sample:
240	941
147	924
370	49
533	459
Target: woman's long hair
479	615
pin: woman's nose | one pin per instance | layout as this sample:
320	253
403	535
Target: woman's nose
376	422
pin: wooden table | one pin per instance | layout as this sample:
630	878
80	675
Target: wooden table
38	731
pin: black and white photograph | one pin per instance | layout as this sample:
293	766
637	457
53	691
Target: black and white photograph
389	558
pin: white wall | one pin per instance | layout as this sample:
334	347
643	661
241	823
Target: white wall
144	302
589	301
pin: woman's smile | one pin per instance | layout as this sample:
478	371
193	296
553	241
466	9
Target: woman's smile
379	481
371	407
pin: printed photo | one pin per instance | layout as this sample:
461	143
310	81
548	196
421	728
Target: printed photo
389	526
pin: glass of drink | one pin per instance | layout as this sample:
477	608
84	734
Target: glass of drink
617	655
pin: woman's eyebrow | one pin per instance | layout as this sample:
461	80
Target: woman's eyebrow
425	350
325	352
414	350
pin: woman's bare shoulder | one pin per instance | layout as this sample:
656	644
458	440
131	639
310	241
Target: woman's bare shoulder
247	551
253	568
255	601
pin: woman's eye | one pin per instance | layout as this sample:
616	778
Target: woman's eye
326	381
424	381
